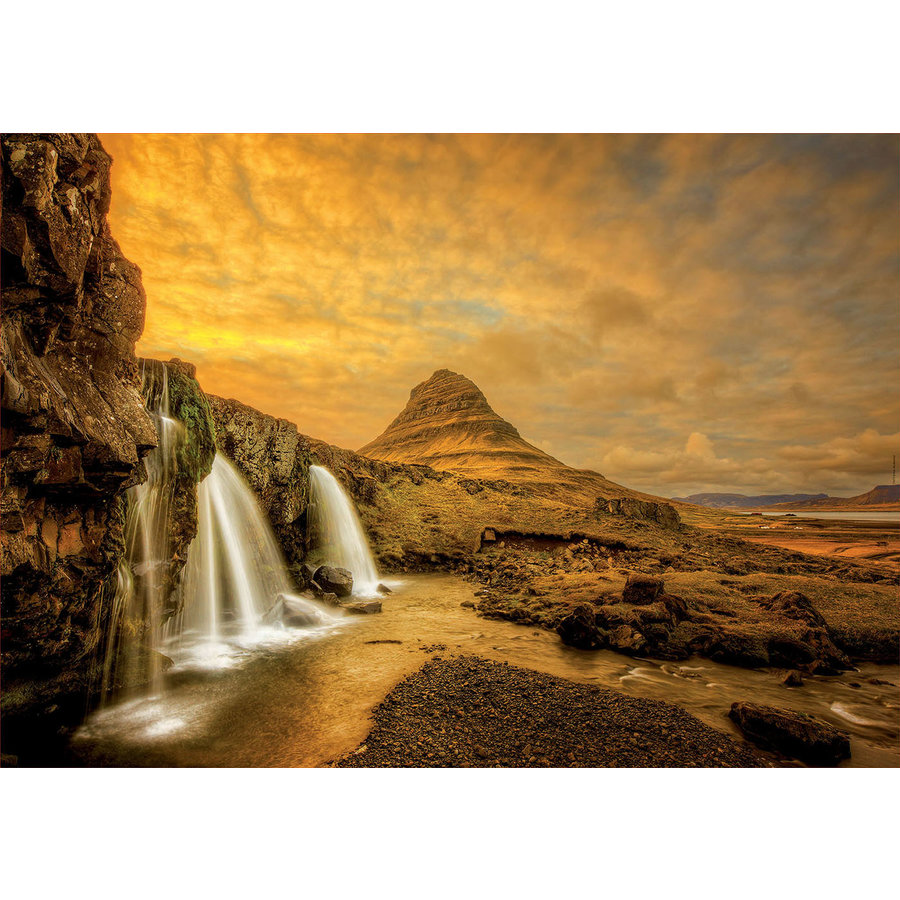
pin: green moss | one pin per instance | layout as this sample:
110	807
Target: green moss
189	405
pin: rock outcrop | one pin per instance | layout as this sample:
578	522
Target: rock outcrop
74	424
274	459
193	459
663	514
334	580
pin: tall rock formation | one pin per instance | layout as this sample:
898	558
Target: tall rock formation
74	424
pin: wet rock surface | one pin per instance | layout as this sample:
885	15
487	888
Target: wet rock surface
468	711
362	607
334	580
274	459
74	424
794	734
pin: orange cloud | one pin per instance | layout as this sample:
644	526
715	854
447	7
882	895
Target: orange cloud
606	292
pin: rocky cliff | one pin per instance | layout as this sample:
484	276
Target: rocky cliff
74	424
193	458
274	459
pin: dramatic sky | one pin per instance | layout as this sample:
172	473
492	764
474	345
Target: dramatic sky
680	313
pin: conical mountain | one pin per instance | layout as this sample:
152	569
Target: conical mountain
448	424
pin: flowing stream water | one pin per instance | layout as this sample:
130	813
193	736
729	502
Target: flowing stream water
308	701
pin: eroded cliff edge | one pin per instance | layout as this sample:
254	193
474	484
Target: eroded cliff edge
74	424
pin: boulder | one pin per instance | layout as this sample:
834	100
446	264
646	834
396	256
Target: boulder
794	678
298	612
383	589
794	734
334	580
641	589
579	629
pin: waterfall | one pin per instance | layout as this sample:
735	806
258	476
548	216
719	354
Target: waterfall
143	577
337	532
234	590
235	575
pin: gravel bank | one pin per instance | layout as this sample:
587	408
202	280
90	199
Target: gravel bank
468	711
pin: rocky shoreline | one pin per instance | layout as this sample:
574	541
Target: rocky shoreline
466	711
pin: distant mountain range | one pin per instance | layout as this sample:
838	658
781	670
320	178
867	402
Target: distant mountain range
742	501
882	496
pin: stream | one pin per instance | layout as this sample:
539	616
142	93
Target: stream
305	697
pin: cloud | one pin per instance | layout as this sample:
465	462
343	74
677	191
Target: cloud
678	310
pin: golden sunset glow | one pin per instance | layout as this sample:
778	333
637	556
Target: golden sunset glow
680	313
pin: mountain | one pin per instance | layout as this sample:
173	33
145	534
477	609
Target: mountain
882	496
742	501
449	425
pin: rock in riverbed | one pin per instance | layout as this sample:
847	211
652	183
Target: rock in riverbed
793	734
334	580
362	607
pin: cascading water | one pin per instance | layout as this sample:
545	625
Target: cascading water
235	590
144	575
235	575
337	533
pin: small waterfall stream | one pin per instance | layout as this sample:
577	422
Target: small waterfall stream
338	534
144	574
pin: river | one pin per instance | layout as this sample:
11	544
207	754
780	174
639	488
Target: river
308	700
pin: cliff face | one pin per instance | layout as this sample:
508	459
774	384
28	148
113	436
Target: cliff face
275	461
192	462
74	424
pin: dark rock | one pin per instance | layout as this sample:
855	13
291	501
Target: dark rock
330	599
275	460
468	604
793	734
641	589
579	629
362	607
735	649
335	580
383	589
74	424
793	678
